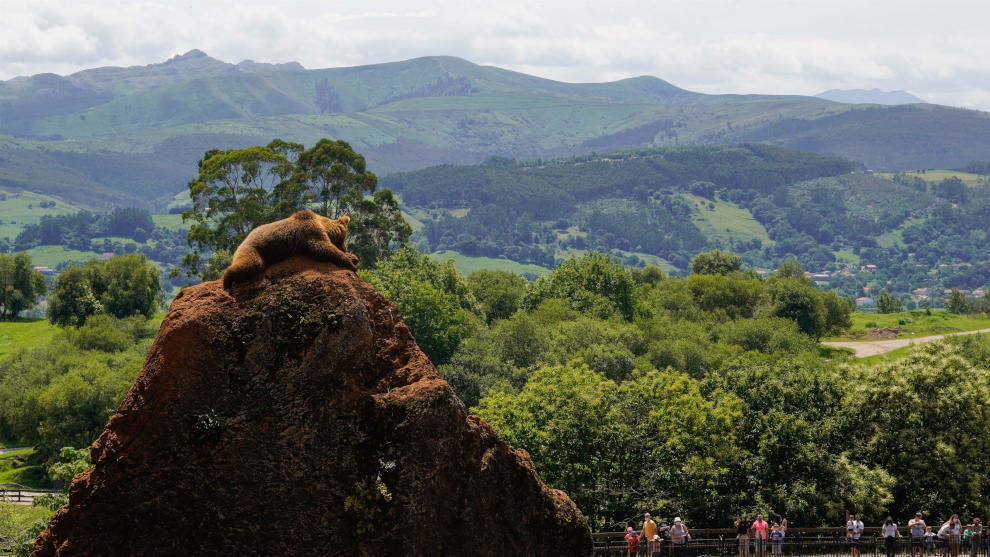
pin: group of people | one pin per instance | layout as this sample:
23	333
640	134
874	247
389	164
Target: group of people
948	538
652	536
762	533
759	534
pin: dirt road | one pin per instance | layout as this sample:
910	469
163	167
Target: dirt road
863	349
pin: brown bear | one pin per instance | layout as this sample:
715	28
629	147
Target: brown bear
304	233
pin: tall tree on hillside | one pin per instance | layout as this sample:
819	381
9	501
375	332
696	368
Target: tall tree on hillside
240	189
957	302
336	176
231	195
20	285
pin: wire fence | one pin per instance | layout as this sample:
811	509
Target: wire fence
823	544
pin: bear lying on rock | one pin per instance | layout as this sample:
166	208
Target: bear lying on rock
304	233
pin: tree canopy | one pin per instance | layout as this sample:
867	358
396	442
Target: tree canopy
238	190
20	285
121	286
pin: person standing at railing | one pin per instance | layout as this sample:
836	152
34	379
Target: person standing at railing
890	535
648	530
955	534
742	535
679	536
917	528
632	542
948	536
656	546
777	539
976	540
854	529
761	531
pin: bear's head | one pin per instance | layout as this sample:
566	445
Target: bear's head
336	230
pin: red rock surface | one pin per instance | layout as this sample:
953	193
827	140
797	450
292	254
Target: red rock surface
299	416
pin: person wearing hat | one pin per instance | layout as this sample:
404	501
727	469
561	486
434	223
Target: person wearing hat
632	541
679	536
656	546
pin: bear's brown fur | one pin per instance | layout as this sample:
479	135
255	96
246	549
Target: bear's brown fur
304	233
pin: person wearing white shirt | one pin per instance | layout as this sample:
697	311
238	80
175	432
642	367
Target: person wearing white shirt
948	536
890	535
854	528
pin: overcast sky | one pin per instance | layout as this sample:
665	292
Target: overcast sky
938	50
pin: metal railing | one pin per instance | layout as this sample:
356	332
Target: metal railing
828	542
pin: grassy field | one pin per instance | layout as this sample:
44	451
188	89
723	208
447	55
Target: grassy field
847	256
25	516
913	324
467	264
24	333
721	221
171	222
939	175
13	469
50	256
20	208
895	237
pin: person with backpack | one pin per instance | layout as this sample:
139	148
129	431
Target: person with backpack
679	536
890	535
917	528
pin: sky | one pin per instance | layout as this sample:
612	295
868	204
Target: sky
938	50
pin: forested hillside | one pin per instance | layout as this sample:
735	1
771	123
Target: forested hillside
664	205
127	136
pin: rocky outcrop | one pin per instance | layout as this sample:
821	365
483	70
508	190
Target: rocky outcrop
297	415
884	332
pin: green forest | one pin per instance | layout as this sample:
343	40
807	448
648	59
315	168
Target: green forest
662	206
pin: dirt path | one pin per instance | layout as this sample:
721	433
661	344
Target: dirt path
11	449
864	349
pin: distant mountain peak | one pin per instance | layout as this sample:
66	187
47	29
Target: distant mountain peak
869	96
194	53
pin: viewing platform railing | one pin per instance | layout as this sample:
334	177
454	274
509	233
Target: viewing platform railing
819	542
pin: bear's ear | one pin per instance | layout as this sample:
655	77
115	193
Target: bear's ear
344	220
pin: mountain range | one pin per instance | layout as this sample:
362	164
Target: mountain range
131	136
869	96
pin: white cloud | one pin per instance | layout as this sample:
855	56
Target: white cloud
938	51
